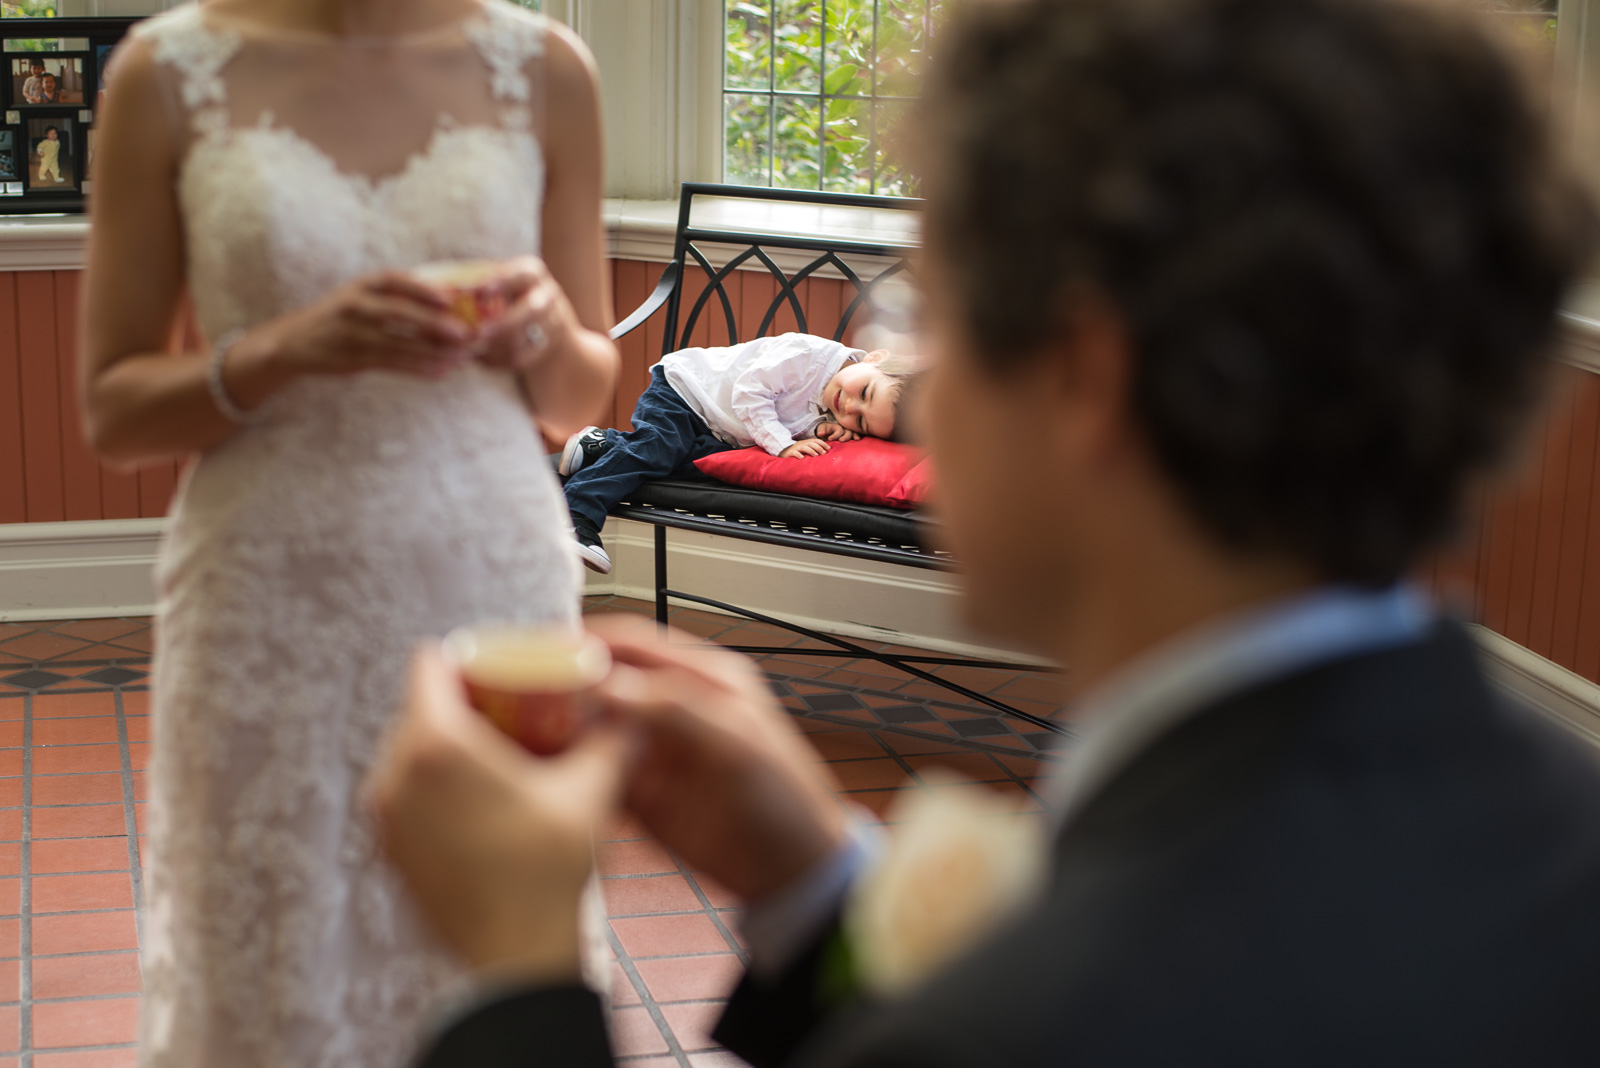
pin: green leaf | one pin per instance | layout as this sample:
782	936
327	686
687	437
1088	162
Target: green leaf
839	78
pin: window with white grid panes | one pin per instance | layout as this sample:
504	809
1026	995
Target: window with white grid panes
816	91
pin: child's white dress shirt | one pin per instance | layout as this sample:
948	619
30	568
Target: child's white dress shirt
765	392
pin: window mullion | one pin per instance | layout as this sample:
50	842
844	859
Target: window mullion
822	101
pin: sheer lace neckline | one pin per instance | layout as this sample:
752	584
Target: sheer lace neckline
450	32
376	188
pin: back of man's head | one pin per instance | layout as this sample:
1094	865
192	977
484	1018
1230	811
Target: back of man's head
1337	231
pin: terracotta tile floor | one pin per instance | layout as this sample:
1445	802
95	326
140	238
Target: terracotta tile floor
74	707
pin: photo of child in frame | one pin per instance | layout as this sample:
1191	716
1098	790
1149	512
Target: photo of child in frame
52	163
43	81
8	160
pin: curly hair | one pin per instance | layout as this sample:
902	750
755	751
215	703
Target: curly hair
1337	230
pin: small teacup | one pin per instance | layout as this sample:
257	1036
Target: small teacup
533	682
470	285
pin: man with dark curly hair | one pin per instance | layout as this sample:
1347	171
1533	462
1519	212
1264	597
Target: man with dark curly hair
1230	301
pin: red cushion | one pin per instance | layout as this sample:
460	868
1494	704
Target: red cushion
914	489
869	471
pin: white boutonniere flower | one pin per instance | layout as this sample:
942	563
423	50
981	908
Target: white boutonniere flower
958	862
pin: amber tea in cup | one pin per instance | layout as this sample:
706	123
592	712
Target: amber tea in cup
533	682
470	286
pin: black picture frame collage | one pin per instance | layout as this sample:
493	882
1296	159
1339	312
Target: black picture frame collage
54	84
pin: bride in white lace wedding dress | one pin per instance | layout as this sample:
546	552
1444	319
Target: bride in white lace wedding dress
367	474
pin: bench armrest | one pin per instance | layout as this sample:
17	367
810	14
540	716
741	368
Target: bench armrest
653	303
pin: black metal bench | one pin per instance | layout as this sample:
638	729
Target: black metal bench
840	529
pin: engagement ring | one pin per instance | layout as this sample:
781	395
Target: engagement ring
537	337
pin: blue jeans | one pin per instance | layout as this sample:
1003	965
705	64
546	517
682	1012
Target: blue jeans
667	437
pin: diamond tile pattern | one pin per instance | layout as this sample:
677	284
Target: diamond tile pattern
831	702
985	727
73	724
114	676
906	714
33	680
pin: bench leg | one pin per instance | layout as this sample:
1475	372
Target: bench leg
852	649
661	575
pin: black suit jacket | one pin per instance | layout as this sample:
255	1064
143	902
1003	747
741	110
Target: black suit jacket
1376	862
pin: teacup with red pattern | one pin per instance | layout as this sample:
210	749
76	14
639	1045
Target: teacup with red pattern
475	298
534	682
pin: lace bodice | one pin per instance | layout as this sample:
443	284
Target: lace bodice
310	161
311	550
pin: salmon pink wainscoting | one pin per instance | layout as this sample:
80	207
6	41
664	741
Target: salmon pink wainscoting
1526	564
47	473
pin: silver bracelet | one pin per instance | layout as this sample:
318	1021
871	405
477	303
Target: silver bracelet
219	391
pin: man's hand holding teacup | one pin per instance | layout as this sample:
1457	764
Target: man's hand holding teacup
495	845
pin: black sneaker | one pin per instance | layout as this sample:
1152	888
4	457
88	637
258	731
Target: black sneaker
584	447
590	551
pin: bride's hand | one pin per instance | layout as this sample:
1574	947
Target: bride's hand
538	319
381	322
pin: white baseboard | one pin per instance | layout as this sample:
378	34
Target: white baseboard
834	594
1565	696
99	568
82	570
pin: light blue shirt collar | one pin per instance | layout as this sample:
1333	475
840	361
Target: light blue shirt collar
1161	688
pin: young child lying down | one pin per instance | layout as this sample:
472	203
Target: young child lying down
791	395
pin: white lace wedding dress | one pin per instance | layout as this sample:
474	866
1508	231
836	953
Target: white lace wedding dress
311	550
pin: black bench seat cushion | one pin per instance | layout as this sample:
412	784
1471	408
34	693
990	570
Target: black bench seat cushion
861	522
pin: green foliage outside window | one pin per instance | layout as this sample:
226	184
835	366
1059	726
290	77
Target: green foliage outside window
815	91
28	9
